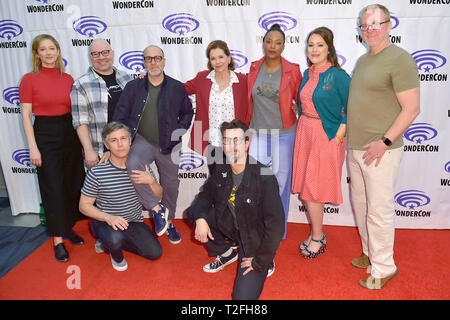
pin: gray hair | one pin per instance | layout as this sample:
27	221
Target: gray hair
114	126
372	7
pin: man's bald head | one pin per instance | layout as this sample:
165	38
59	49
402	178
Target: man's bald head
102	56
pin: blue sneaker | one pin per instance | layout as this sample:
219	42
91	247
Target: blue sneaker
173	234
160	219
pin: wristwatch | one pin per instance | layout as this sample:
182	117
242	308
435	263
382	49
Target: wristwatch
386	141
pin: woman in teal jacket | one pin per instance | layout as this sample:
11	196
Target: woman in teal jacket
319	150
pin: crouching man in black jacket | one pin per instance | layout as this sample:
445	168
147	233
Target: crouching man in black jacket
240	202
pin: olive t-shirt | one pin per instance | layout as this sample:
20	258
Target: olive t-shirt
372	102
148	125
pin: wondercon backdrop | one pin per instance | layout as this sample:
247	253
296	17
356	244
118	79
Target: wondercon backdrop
184	28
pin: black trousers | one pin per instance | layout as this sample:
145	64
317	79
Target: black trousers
248	287
61	175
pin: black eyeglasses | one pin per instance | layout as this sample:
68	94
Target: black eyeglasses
235	140
155	58
376	26
96	54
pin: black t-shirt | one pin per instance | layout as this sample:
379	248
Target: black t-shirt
114	92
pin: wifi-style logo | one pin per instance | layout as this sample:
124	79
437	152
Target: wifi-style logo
412	199
341	59
132	60
239	58
190	161
428	59
22	156
447	167
10	29
89	26
11	95
180	23
396	21
284	19
420	132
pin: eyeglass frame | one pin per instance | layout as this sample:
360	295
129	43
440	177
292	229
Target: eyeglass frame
235	140
371	26
104	53
150	59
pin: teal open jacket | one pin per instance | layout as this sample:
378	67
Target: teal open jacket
329	98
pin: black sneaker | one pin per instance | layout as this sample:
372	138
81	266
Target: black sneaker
74	238
220	263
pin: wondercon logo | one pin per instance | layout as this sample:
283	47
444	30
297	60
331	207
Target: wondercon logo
284	19
411	199
189	161
11	95
239	58
22	156
420	132
428	59
9	29
89	26
132	60
180	23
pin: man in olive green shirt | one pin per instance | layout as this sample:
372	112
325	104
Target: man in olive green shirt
383	102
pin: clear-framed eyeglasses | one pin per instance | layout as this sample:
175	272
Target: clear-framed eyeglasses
375	26
235	140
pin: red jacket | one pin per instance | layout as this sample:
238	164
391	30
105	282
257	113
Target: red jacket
291	78
201	86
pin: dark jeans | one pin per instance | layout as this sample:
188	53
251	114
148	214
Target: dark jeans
248	287
138	238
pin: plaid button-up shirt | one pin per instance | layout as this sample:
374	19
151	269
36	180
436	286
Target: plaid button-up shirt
89	99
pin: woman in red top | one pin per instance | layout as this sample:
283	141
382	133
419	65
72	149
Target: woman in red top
54	147
221	95
273	84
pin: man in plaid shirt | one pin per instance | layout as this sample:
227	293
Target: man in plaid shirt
94	96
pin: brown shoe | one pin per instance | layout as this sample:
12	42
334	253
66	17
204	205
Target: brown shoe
362	262
373	283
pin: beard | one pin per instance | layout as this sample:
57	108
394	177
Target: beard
155	72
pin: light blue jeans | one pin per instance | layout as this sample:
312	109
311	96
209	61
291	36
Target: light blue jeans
276	151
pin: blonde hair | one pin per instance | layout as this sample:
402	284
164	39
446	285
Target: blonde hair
36	62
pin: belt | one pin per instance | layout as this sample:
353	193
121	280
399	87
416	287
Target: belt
310	116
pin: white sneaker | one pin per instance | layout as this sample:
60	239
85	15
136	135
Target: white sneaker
119	266
271	269
98	247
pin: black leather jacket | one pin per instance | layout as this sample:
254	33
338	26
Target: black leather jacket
259	211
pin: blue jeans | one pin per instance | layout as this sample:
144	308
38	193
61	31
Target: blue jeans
276	151
138	238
